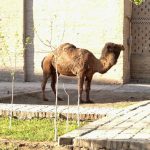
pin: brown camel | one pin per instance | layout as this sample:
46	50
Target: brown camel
73	61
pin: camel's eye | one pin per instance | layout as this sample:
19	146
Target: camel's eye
110	48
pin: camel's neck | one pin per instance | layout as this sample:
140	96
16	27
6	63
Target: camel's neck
105	63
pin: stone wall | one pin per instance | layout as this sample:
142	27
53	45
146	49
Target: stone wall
87	24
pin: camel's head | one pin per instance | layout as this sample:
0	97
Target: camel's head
112	49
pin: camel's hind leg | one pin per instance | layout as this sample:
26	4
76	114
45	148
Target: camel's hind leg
43	85
46	67
53	84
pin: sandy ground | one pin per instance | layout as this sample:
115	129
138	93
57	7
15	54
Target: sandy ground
6	144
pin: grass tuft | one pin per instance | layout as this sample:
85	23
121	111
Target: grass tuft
34	129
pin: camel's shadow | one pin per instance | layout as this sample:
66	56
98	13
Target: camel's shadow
98	96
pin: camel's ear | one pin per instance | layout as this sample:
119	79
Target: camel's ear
123	48
108	46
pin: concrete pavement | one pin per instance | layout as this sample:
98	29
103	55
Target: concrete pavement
125	90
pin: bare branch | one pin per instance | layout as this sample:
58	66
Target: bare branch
63	34
50	42
56	105
68	107
78	116
48	45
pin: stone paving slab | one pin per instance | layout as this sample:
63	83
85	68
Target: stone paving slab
114	130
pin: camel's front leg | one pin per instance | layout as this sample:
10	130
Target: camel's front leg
80	87
87	88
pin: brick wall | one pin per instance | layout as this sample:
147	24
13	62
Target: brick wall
140	54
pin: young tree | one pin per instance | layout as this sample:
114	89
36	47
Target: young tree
137	2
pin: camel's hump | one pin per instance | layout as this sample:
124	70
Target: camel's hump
66	46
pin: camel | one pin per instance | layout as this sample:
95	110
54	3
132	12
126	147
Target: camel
73	61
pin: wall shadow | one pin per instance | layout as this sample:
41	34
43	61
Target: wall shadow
98	96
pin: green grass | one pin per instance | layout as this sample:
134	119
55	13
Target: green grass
33	130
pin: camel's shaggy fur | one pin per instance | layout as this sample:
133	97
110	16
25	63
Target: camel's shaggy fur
73	61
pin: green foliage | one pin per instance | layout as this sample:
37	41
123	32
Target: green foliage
33	130
10	51
4	46
137	2
3	49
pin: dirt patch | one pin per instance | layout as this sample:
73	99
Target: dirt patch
25	145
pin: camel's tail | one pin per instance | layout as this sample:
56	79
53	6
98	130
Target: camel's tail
42	63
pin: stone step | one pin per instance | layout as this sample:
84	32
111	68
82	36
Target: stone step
118	131
25	111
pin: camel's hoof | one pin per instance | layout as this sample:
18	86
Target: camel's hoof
60	99
89	102
45	99
82	102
